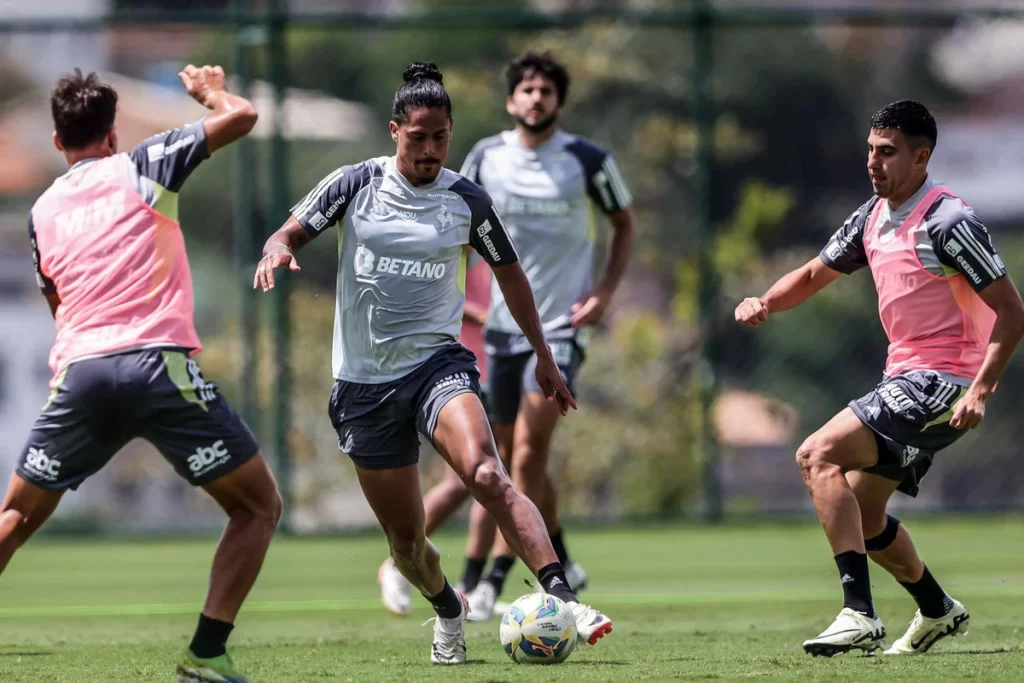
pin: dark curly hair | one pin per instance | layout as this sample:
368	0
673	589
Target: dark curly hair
538	63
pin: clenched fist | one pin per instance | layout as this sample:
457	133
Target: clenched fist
203	83
751	312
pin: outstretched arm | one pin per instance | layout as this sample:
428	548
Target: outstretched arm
279	251
790	291
233	116
324	206
844	253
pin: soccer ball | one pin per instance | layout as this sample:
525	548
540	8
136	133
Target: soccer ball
538	629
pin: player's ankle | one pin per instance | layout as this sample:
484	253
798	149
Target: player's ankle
211	637
552	579
929	596
853	574
472	572
447	604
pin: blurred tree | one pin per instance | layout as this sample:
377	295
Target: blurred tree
791	109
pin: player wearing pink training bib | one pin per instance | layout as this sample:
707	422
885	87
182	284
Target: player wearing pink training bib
110	259
953	318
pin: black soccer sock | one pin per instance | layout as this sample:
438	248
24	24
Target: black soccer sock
499	571
853	572
211	637
932	600
447	603
552	578
558	543
471	573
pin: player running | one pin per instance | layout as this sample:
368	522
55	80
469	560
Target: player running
403	224
545	182
953	318
110	258
443	500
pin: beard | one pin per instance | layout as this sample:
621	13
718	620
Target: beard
540	126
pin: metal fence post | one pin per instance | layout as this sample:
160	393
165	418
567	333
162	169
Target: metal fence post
708	287
280	318
245	197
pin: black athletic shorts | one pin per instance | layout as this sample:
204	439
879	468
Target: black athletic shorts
512	372
377	424
909	414
100	404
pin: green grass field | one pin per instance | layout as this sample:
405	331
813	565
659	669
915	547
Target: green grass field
694	603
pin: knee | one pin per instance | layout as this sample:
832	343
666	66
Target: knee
406	542
16	524
814	459
265	509
487	479
273	508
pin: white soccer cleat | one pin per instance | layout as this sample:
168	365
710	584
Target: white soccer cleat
925	632
394	589
590	624
481	601
851	630
449	645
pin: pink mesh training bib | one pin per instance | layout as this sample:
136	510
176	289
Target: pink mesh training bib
932	322
119	267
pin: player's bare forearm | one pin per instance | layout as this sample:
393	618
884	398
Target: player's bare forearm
233	116
519	297
795	287
1002	297
619	251
279	252
791	290
289	237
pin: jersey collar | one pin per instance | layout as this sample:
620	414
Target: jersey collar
896	218
392	173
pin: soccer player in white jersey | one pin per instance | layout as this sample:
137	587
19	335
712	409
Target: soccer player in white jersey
546	182
953	318
404	222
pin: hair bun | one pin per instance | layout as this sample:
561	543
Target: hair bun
422	71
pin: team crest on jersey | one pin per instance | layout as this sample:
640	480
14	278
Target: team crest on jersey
364	260
445	219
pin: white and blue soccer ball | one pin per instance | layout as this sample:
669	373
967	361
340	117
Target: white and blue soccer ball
538	629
